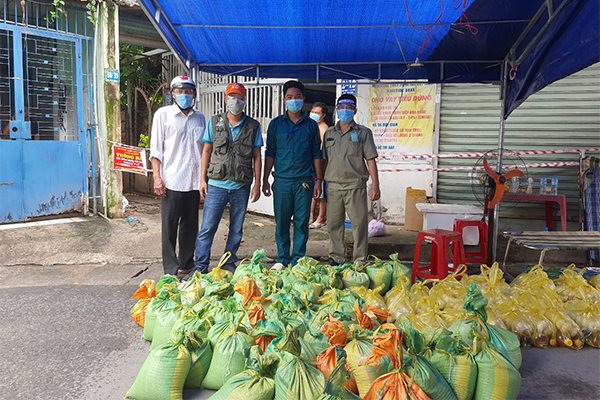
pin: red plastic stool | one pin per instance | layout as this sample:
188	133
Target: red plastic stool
440	240
480	256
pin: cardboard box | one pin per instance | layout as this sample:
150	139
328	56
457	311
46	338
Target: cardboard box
413	219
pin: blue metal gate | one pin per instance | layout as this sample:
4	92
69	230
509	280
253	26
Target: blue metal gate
43	142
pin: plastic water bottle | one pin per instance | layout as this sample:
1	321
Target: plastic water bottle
514	184
529	186
543	184
554	185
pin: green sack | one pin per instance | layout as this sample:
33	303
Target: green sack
380	276
357	350
334	387
308	291
165	320
149	322
506	343
401	274
255	383
163	373
419	369
312	345
230	344
296	379
201	358
502	340
460	371
352	277
497	378
166	280
428	378
339	303
167	299
192	290
226	310
287	343
251	268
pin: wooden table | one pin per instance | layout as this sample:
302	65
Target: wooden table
545	241
549	200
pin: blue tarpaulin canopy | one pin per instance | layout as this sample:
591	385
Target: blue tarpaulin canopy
532	43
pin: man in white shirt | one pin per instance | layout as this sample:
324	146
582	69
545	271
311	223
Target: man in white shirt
175	149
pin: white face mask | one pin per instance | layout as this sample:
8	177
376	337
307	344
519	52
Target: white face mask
235	105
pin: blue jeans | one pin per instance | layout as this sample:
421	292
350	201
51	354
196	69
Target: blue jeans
214	203
291	198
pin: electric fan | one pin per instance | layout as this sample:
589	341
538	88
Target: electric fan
489	183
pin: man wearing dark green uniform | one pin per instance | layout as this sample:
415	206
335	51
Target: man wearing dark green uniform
294	148
349	152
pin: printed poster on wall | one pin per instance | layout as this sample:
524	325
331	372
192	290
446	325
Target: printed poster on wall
130	159
402	118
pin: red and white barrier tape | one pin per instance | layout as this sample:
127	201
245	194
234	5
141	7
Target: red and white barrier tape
474	155
536	165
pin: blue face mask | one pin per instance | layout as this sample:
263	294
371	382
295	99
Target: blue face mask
294	106
345	115
184	101
314	116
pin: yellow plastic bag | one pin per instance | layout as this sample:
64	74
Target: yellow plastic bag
491	283
218	274
572	285
595	281
371	297
568	333
587	315
398	302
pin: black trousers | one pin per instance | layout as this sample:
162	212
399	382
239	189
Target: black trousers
179	214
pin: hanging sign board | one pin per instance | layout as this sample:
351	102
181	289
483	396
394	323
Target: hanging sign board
402	118
129	159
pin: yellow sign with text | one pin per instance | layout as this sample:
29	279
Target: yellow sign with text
402	118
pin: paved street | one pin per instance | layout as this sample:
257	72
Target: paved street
66	332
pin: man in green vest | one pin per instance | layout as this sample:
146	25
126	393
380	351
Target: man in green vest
350	156
231	160
294	149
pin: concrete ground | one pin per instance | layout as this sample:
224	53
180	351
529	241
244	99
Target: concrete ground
65	297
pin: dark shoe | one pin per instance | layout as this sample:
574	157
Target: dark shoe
229	267
333	263
192	272
184	271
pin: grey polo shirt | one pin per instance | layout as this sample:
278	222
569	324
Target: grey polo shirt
346	155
